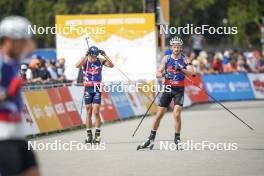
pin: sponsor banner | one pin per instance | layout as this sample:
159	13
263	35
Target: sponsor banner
59	107
195	94
42	110
77	96
136	103
28	122
147	97
122	104
122	36
257	84
108	110
70	106
228	86
187	100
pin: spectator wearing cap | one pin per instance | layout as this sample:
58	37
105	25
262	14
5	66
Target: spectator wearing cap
23	70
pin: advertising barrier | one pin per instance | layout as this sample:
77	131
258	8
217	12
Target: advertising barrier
195	94
229	86
257	84
59	108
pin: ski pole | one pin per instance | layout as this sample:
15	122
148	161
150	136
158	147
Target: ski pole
217	101
143	117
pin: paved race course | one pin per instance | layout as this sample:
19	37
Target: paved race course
207	122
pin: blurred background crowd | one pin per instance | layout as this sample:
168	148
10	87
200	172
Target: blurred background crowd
43	71
227	61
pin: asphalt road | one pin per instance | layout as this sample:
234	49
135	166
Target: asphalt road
207	122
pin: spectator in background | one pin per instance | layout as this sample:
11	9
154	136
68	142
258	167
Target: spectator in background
32	74
60	69
217	64
231	67
261	64
51	67
226	56
203	63
241	64
23	71
44	73
252	61
197	41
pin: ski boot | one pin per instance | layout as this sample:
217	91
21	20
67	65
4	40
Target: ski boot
149	143
97	137
89	138
177	140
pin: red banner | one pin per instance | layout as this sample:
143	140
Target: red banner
70	106
107	109
196	94
59	108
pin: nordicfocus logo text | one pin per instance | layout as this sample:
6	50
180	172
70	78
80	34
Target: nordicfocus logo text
199	146
191	29
58	145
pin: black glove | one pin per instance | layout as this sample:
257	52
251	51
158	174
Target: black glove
87	53
102	52
179	67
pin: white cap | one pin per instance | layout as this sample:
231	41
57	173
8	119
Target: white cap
176	40
15	27
23	67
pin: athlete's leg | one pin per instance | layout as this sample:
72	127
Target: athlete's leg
96	112
88	99
178	101
89	110
160	113
177	117
165	100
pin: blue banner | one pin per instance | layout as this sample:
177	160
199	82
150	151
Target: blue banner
228	86
122	104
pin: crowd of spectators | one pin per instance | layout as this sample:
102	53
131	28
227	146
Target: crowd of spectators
43	71
228	61
40	71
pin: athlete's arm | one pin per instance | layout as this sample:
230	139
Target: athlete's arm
81	62
107	62
161	68
189	68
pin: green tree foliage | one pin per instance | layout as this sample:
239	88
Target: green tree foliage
245	14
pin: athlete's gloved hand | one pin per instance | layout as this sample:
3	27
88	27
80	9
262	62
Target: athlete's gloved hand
102	52
87	53
180	66
167	76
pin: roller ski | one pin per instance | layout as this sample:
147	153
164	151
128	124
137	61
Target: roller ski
149	143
